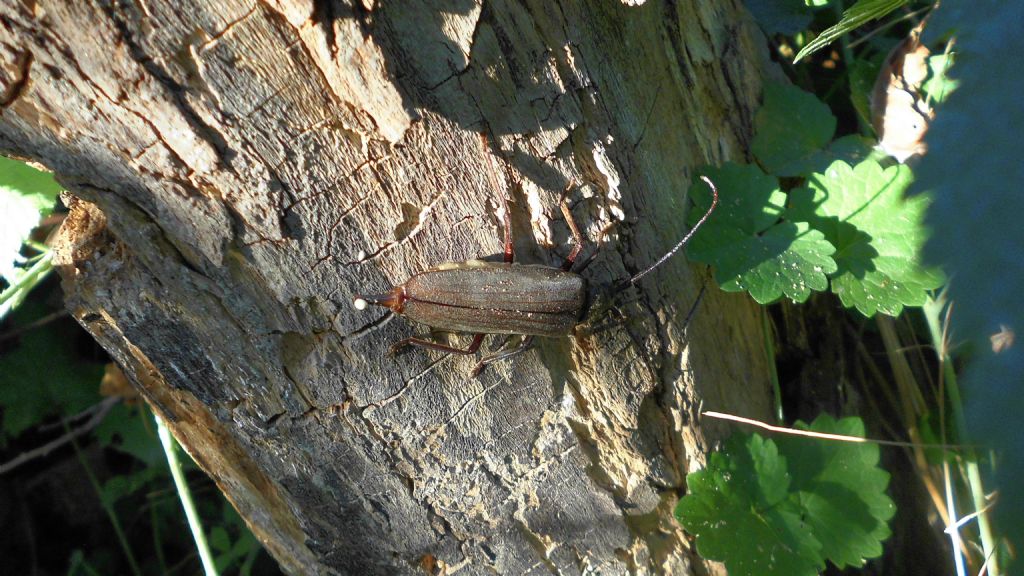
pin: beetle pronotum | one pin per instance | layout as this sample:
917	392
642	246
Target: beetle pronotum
480	298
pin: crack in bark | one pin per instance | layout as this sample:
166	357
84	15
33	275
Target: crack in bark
408	383
464	406
330	231
422	220
370	162
269	423
262	103
227	28
175	91
145	149
650	112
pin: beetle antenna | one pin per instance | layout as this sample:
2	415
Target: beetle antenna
677	247
506	214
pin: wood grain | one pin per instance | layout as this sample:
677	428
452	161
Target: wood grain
241	169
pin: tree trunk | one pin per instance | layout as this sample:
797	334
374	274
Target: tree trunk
241	169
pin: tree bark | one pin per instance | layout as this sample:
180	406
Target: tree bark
241	169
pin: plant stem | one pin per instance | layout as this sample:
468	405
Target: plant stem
16	292
773	374
158	546
185	495
107	506
97	418
932	311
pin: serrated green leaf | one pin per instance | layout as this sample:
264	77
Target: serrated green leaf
747	245
855	16
787	259
796	502
736	508
749	199
844	527
790	128
26	195
841	490
878	234
851	149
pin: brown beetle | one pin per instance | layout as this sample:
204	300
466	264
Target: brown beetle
482	298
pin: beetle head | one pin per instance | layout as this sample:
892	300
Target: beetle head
395	300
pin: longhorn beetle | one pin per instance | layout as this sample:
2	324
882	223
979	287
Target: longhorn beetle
480	298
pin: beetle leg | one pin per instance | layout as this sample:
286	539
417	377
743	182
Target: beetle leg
503	355
509	253
606	323
473	347
600	243
576	236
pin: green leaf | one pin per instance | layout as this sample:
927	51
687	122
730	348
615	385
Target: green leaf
219	540
938	85
841	489
878	234
26	195
857	15
240	551
118	487
851	149
738	511
973	170
790	128
862	75
43	376
38	187
748	246
749	199
785	507
126	429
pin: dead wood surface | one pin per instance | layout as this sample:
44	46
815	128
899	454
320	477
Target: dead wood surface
241	169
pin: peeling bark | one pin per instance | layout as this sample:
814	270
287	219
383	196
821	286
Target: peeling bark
241	169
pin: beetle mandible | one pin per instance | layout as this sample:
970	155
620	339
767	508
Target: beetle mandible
481	298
